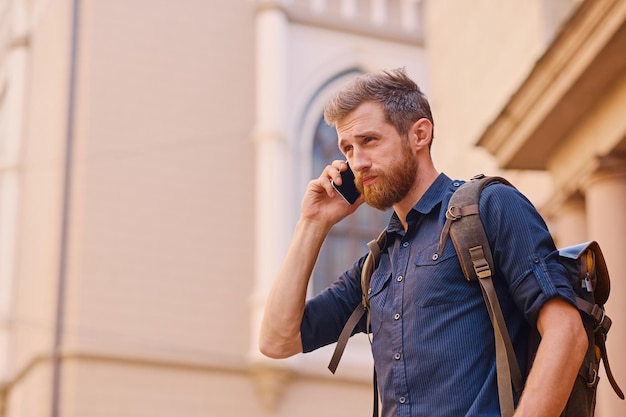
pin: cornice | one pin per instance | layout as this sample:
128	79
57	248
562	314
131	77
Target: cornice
566	82
357	26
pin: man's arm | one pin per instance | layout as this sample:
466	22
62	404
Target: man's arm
559	357
322	207
280	328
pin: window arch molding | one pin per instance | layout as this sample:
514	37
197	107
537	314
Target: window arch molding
309	117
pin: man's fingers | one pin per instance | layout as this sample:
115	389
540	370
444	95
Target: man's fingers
334	170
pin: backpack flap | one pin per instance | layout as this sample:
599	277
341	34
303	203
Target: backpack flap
586	266
592	266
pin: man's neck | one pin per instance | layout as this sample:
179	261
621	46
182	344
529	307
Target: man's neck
423	182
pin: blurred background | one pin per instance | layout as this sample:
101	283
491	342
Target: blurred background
153	154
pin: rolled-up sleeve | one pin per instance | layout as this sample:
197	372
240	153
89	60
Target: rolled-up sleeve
326	314
524	252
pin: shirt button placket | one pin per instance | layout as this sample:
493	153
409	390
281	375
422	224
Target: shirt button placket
396	344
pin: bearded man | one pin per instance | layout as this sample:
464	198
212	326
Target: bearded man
432	337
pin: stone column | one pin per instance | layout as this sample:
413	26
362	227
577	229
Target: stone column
273	177
570	222
606	219
273	160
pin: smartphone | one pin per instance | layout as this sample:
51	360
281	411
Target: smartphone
347	189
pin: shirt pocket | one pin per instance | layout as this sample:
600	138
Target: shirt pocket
379	289
439	279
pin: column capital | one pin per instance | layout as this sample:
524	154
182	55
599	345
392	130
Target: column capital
606	168
269	5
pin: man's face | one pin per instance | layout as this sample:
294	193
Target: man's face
383	162
393	182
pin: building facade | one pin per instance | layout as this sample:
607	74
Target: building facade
153	155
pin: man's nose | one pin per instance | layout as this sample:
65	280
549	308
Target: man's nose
359	161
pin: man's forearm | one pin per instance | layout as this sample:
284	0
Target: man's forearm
560	354
280	328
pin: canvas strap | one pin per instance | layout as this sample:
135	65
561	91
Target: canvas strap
465	228
507	368
348	328
602	324
371	262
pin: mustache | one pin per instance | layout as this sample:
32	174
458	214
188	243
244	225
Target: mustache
360	176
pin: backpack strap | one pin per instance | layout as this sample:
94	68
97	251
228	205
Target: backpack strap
371	262
470	241
376	247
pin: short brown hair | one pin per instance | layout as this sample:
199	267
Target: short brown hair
403	101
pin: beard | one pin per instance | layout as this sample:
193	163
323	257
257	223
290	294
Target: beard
393	185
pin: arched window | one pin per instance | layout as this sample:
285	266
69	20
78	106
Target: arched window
347	240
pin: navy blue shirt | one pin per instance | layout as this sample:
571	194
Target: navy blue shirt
433	342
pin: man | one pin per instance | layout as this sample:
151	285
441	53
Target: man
432	338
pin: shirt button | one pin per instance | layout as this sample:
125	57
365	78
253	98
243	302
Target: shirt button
402	400
397	356
405	244
435	256
400	278
397	316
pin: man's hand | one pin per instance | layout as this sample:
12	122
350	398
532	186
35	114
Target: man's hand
322	203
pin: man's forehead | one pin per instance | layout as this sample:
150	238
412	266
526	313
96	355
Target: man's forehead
367	114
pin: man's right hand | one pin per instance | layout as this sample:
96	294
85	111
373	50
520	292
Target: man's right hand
322	203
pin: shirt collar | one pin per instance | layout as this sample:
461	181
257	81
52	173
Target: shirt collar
433	196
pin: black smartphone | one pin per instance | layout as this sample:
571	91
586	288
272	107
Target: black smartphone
347	189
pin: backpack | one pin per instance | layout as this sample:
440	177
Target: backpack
588	275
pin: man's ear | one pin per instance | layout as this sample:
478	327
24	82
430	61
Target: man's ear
421	133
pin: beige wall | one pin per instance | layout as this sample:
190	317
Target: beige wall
478	53
470	80
165	199
159	259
